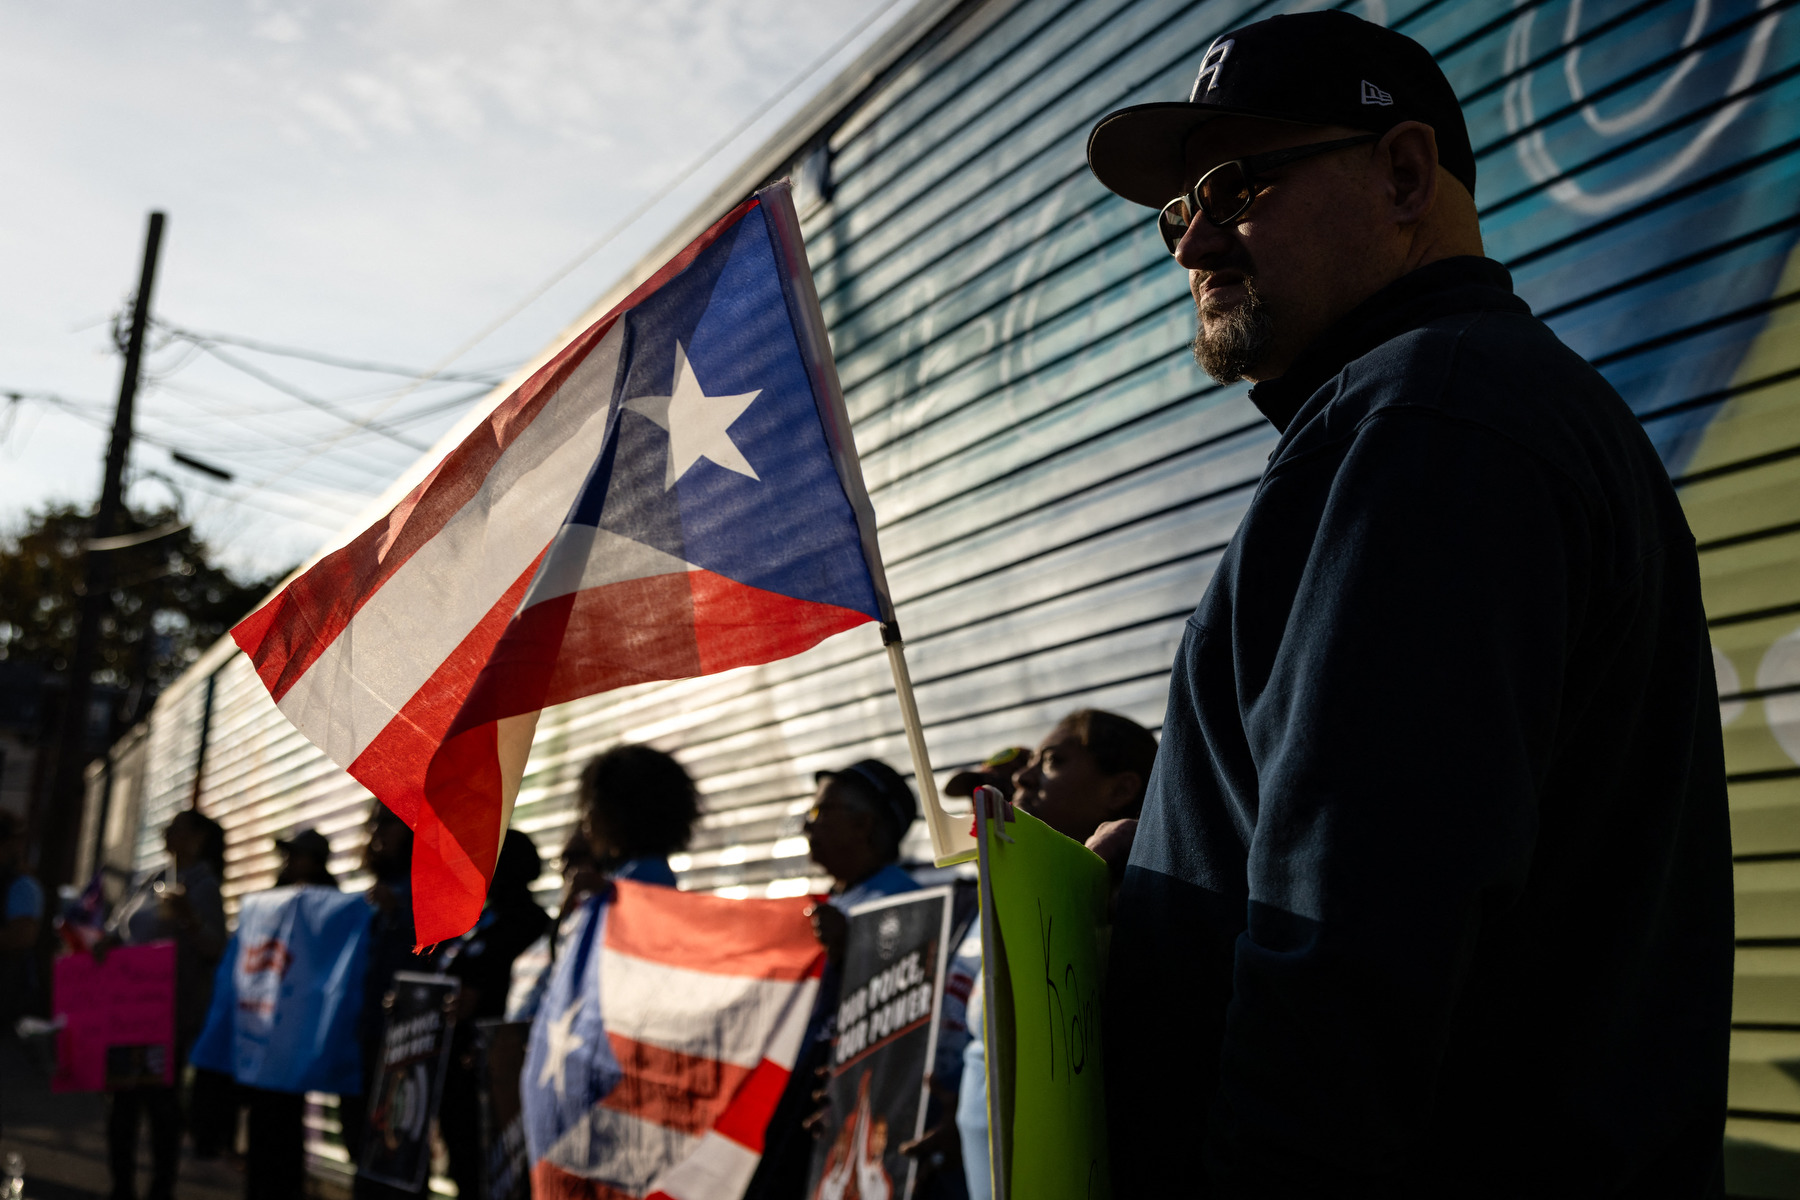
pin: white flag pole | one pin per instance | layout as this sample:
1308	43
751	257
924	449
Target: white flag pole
949	842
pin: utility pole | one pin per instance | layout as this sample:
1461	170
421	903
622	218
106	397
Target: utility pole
61	827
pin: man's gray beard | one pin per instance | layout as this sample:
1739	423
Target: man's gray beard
1236	341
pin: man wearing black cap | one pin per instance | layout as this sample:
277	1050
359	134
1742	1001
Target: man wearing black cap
858	819
1431	894
305	858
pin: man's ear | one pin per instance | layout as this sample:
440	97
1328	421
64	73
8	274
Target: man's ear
1410	151
1121	790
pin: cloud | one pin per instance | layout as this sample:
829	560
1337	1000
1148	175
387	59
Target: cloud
280	27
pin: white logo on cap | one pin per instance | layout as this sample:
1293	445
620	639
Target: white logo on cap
1374	95
1216	54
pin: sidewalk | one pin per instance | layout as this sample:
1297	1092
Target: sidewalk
63	1139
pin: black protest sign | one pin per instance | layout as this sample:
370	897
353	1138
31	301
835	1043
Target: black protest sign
415	1048
888	1001
500	1057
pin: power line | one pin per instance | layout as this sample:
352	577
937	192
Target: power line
90	412
319	356
304	397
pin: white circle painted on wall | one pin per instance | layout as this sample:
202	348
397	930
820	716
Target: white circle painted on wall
1534	151
1727	676
1780	668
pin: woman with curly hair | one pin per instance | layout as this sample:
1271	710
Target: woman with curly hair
638	806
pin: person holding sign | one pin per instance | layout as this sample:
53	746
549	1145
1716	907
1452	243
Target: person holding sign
858	818
1432	893
1087	775
183	904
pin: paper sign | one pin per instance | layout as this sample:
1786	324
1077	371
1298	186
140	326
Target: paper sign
889	1003
119	1016
1044	930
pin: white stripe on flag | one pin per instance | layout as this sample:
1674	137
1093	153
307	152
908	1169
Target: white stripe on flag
622	1150
718	1168
786	1038
730	1018
583	556
408	628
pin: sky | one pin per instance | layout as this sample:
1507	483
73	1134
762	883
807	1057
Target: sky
368	180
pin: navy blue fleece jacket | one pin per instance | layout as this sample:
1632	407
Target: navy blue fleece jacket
1432	893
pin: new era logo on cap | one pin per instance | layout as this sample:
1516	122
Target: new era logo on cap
1374	95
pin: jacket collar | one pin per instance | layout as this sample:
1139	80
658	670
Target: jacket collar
1442	288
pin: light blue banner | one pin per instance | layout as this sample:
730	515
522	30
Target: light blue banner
289	992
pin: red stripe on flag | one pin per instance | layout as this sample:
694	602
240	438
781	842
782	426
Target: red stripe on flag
589	641
288	634
454	845
737	625
747	1117
636	631
672	1089
672	626
758	939
550	1182
393	765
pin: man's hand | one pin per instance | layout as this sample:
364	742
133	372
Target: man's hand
832	929
940	1147
814	1123
1112	842
174	907
467	1000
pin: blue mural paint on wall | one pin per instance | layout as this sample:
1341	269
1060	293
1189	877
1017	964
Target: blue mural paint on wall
1659	144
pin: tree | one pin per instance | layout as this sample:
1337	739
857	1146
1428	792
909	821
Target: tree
169	601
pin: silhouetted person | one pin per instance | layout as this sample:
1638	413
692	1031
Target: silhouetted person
482	960
190	910
387	855
275	1158
857	821
305	859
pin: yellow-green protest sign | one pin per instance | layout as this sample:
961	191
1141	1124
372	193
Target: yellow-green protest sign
1044	931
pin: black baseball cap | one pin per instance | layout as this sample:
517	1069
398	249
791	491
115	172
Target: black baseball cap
881	784
305	841
1317	68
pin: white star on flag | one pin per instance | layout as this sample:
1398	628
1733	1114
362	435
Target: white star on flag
564	1041
697	423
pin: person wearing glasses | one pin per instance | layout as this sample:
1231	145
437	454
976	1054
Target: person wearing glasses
1431	893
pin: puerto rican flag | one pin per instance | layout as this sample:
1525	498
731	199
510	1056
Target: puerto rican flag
666	1037
675	493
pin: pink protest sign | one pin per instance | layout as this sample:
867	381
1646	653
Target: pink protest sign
119	1019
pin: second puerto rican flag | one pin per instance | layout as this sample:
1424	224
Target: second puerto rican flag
676	493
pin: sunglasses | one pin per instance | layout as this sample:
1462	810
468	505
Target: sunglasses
1224	194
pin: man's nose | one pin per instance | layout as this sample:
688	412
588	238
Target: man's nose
1202	245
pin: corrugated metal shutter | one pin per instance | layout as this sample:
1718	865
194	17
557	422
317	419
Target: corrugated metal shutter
1055	479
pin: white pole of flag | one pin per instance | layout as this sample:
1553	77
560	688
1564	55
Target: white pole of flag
949	843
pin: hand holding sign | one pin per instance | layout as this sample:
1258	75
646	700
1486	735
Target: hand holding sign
1043	924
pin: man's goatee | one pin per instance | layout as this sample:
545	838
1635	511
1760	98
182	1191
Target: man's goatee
1237	340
